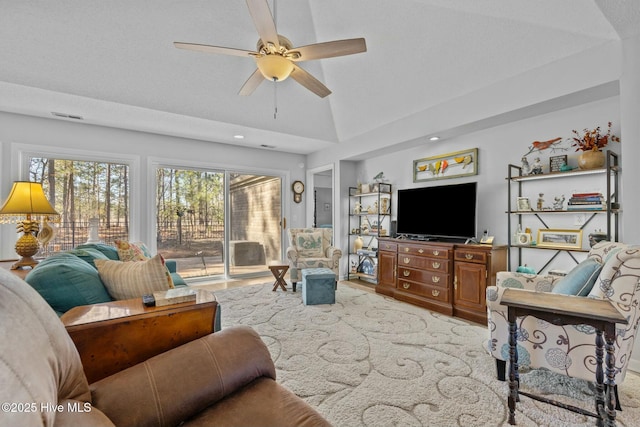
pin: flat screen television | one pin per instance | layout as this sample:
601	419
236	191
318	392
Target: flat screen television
439	212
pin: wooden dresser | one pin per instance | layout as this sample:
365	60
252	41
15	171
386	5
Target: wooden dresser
449	278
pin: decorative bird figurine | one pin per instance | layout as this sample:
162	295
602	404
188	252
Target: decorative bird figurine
565	167
379	178
543	145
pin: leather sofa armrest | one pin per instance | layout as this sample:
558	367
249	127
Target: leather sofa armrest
174	386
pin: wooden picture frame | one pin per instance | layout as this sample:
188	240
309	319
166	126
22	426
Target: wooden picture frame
556	162
523	204
451	165
559	238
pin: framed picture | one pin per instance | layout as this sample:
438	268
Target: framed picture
561	239
556	163
451	165
523	204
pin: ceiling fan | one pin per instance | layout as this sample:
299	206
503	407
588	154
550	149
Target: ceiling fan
275	55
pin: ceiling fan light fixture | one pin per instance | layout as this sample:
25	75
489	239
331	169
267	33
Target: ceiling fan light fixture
274	67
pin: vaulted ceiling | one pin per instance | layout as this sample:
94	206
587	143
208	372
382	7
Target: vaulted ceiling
114	63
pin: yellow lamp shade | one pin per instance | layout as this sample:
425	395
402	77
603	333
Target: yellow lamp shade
26	199
274	67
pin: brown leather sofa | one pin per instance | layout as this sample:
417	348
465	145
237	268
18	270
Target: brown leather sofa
223	379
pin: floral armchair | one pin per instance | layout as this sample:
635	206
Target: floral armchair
569	350
311	248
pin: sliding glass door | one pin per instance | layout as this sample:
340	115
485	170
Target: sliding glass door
254	217
218	223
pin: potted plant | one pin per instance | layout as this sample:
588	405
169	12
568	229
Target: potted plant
591	142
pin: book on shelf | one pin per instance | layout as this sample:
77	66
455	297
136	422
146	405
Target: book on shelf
594	207
587	201
174	296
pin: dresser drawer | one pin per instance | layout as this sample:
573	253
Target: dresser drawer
469	255
421	250
388	246
431	292
437	264
423	276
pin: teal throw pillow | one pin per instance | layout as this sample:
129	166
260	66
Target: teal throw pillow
110	251
580	280
66	281
88	255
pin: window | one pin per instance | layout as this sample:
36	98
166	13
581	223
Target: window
81	191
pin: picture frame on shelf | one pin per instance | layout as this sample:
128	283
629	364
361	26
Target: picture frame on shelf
523	204
559	238
556	163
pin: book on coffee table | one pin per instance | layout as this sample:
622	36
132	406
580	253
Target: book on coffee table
174	296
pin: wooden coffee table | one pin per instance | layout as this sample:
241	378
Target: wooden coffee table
279	269
115	335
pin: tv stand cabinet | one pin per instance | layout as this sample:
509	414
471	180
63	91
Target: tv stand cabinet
449	278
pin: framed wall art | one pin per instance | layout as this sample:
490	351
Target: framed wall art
451	165
561	239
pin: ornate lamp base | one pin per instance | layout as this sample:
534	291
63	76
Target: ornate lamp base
26	246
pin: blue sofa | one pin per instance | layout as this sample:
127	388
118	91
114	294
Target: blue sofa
70	279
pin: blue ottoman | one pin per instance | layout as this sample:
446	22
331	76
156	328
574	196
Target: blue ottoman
318	286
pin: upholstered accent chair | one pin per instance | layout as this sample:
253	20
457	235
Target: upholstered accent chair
570	350
311	248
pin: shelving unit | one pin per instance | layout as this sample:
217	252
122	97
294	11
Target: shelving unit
369	219
612	207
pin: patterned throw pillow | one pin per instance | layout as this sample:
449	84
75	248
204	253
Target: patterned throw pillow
126	280
132	251
310	244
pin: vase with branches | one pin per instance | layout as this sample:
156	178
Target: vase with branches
593	139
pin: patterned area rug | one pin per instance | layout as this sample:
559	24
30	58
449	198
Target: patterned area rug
369	360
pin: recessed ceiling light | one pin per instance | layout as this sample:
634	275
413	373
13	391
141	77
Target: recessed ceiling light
434	138
67	116
238	136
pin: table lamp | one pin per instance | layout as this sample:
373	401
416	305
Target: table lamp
26	205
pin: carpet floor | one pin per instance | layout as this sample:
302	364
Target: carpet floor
369	360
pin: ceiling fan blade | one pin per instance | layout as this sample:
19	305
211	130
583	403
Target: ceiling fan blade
263	21
214	49
252	83
328	49
310	82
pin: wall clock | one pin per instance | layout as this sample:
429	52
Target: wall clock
298	189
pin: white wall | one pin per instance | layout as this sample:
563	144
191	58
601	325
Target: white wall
498	147
19	133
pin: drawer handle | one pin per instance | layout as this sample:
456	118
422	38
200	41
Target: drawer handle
406	273
387	246
421	250
435	264
406	249
435	293
436	253
468	256
435	279
406	285
407	260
